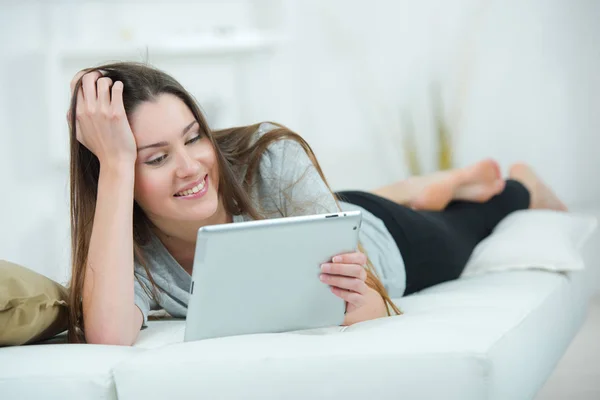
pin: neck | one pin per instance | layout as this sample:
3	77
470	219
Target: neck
179	237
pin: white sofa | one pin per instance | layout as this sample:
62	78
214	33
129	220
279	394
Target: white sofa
495	336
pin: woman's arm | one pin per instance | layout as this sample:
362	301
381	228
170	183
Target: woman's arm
110	315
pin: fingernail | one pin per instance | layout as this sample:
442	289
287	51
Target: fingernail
337	259
322	277
325	267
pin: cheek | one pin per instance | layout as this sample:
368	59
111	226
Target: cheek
214	175
208	157
149	189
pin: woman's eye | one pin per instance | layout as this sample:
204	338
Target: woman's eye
194	139
156	161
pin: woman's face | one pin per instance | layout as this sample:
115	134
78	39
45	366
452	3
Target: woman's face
176	174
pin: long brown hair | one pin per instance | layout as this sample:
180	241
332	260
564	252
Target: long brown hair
234	148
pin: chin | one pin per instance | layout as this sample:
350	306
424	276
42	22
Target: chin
204	209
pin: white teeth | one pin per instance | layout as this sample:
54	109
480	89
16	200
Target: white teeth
193	190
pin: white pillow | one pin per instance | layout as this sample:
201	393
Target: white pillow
533	239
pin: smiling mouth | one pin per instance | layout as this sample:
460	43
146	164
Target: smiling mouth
193	190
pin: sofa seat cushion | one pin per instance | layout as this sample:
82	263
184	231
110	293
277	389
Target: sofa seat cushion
493	336
60	371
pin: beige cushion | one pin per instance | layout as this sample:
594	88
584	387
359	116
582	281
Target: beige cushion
32	306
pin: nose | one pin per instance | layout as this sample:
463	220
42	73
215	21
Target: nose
186	166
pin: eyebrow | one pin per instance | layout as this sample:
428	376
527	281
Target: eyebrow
163	144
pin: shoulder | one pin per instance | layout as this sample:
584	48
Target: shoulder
283	153
288	181
265	127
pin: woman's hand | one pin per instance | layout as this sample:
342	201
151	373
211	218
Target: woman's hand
101	122
347	276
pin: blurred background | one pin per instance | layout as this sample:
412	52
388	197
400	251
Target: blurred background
381	89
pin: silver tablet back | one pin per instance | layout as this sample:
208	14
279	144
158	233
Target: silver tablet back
263	276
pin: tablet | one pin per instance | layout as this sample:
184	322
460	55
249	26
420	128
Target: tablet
263	276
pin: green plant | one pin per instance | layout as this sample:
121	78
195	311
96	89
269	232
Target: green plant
444	145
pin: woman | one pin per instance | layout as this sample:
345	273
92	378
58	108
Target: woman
147	172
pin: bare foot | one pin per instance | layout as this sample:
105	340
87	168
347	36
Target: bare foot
478	183
481	182
433	191
542	197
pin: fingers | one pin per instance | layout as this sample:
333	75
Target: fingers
76	79
353	298
96	91
350	270
346	277
117	98
89	89
103	84
79	112
342	282
351	258
72	86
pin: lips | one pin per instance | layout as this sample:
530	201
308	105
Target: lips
192	188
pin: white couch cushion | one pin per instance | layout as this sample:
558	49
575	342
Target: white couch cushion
521	322
494	336
60	371
533	239
161	333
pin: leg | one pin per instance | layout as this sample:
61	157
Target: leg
436	245
460	227
478	182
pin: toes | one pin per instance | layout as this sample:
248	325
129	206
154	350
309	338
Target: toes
487	170
500	185
497	170
519	168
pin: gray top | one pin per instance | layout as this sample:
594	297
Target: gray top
287	184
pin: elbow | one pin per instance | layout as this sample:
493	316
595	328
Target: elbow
115	331
109	337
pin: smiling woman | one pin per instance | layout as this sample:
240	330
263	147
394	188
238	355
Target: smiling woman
147	172
138	138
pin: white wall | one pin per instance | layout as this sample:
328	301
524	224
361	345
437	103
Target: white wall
533	92
32	191
519	80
